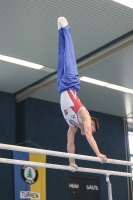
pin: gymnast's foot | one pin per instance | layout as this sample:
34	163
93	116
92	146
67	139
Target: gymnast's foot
75	167
62	22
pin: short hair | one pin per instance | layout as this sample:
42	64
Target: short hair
96	123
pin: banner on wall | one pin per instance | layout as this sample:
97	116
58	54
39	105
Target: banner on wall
29	181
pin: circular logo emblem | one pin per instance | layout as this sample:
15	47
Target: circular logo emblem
29	174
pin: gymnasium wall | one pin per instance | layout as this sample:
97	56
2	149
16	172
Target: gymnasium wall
45	125
42	123
7	136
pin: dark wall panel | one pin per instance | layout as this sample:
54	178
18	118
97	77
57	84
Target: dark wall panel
7	136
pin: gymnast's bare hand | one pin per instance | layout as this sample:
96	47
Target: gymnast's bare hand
102	157
75	167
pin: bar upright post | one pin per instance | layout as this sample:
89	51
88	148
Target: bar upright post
109	188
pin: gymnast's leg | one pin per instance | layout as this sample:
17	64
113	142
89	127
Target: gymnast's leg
67	68
61	49
67	73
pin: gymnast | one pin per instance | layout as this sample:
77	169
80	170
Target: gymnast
74	112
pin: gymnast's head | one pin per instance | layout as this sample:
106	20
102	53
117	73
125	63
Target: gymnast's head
94	125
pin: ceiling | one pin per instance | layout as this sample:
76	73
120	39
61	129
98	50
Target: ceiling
29	32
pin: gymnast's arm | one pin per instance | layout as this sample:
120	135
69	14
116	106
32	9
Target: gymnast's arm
85	130
85	120
70	142
93	143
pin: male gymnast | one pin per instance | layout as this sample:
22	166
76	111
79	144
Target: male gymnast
74	112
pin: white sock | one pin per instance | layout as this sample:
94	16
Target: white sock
58	24
62	22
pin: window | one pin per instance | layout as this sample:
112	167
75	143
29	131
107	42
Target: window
130	137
